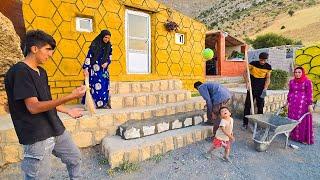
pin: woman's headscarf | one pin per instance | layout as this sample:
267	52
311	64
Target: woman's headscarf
303	75
97	45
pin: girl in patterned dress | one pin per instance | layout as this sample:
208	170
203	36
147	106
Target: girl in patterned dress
96	67
299	103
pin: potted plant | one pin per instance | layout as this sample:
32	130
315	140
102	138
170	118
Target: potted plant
171	25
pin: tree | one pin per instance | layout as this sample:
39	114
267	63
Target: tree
271	40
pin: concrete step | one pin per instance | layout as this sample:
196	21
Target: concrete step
137	129
144	86
149	98
119	151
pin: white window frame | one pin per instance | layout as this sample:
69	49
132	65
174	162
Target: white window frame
79	29
178	38
127	12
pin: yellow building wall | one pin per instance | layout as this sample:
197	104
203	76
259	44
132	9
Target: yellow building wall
309	59
169	60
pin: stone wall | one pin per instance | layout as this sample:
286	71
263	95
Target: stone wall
10	53
273	101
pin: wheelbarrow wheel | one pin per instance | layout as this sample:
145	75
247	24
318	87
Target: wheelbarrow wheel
260	147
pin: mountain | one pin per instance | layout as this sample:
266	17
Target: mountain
246	18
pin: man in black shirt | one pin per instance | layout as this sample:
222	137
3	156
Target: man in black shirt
260	73
34	113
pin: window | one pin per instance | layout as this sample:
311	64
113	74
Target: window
179	38
84	24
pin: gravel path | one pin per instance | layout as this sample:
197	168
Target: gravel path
188	163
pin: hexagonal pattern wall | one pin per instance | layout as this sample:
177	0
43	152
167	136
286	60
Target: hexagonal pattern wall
169	60
309	59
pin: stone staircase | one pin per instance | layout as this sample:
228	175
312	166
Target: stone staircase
163	117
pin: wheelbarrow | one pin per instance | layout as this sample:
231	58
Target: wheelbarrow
270	125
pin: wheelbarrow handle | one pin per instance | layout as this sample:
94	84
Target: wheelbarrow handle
304	115
279	110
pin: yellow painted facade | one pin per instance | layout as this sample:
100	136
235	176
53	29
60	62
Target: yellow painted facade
168	59
309	59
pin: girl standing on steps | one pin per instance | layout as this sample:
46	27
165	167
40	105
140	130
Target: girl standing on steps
96	67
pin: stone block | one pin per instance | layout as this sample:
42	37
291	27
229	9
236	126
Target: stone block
187	122
83	139
189	107
171	85
116	102
148	130
146	87
135	88
70	124
162	98
12	153
99	135
112	88
197	120
131	133
88	123
180	109
176	124
112	130
157	148
124	88
133	155
155	86
105	121
164	85
178	142
141	101
116	158
180	97
204	117
188	138
135	115
171	110
169	144
145	153
160	112
172	98
198	136
161	127
152	100
146	114
128	101
120	118
11	136
178	84
188	95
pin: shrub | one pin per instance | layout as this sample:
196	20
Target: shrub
283	27
279	79
291	12
271	40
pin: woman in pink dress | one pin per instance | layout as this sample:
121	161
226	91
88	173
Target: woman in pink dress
299	103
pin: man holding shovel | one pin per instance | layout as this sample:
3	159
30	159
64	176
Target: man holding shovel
260	73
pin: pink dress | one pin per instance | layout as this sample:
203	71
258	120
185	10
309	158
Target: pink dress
299	98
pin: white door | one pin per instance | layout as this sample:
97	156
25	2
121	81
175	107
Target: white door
138	42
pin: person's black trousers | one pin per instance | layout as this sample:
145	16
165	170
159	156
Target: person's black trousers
247	106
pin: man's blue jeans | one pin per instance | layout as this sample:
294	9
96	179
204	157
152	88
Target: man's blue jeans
37	162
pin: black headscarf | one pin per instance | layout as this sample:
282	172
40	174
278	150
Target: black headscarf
98	44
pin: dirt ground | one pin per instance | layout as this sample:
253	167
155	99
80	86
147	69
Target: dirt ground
189	163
